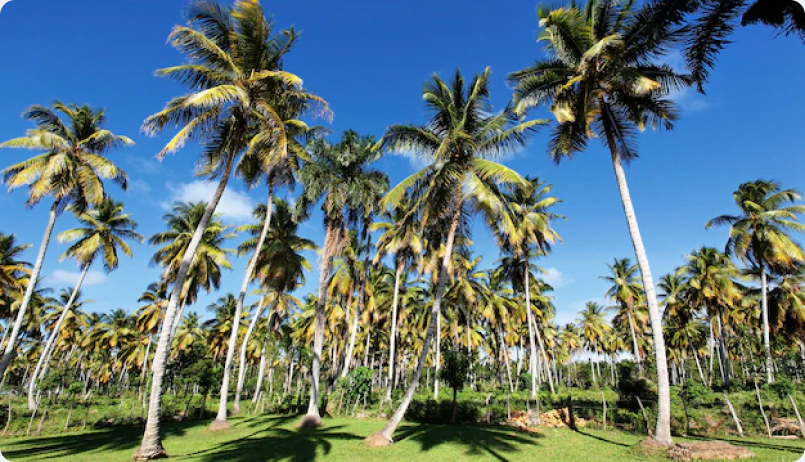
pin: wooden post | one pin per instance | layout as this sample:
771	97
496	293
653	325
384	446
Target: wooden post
69	414
734	415
799	417
645	415
487	417
41	421
571	421
762	412
508	408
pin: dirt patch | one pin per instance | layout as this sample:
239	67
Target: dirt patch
708	450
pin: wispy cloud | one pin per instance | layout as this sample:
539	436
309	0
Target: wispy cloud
556	278
70	278
234	205
688	99
139	186
143	164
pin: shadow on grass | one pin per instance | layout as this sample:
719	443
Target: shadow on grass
479	440
751	444
283	444
601	438
92	441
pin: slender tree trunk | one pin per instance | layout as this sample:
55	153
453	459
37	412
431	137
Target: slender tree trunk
220	422
762	412
436	364
393	334
54	334
799	416
695	357
384	436
764	300
312	418
532	359
734	415
663	430
361	299
151	446
261	370
243	347
178	319
635	346
8	354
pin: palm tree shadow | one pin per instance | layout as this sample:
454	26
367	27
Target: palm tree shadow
479	440
285	444
95	441
602	439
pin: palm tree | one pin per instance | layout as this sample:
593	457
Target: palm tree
234	74
601	80
711	284
210	256
458	141
400	237
593	328
759	237
626	290
279	266
341	176
103	233
71	170
12	267
528	209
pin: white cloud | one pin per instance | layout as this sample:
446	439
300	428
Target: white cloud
93	278
234	205
139	186
143	164
556	278
689	100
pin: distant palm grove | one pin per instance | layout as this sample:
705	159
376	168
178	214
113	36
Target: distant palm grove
403	306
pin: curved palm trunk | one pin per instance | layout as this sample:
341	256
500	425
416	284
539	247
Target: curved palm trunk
220	422
384	436
8	354
764	301
635	346
151	446
312	418
262	369
242	366
663	430
178	319
45	357
393	335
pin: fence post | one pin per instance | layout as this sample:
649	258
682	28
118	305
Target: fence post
570	419
604	398
645	416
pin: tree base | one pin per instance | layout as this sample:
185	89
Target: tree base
309	421
377	440
158	453
651	447
219	426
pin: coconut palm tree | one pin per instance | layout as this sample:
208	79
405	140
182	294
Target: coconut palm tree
458	141
234	72
711	277
626	290
71	169
12	267
402	238
602	80
210	256
280	267
759	237
593	328
341	176
103	234
529	209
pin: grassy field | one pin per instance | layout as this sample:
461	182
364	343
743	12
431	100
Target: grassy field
264	438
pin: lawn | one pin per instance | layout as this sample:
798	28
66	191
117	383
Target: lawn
263	438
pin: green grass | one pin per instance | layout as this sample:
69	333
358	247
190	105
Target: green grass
260	438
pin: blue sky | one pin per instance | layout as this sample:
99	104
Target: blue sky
369	60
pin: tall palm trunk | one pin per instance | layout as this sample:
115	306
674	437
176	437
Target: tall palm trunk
220	422
261	371
663	430
532	359
635	346
178	319
8	354
361	298
536	332
312	418
243	346
438	355
45	357
393	334
695	357
384	436
764	308
151	446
